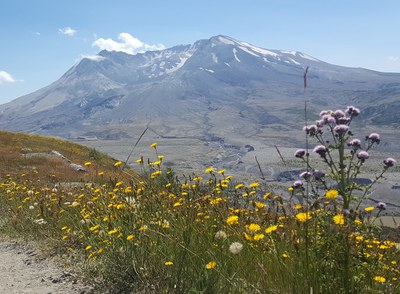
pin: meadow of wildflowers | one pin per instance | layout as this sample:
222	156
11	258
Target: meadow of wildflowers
158	232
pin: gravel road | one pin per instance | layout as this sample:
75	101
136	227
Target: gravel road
21	271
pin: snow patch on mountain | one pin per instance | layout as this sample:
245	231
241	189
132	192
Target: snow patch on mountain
234	54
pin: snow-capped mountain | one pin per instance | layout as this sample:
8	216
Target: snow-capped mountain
215	90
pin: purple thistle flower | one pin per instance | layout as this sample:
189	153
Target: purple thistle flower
318	175
341	129
320	123
381	205
305	175
325	112
374	138
362	155
389	162
353	111
297	185
329	119
311	129
344	120
300	153
354	143
339	113
320	149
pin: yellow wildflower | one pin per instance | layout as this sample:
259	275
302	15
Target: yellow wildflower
258	237
153	145
221	171
118	163
168	263
254	185
209	170
379	279
253	227
88	163
211	264
369	208
271	229
332	194
130	237
303	216
238	186
88	247
260	205
232	220
339	219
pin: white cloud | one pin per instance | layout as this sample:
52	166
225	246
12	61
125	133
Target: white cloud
127	43
5	77
68	31
393	58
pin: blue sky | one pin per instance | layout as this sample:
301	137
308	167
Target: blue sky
42	39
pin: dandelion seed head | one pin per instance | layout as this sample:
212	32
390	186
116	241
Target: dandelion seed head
236	247
221	235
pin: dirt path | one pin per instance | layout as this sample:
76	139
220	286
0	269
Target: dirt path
21	271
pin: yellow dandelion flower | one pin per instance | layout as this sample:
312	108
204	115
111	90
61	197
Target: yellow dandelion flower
101	174
118	184
285	255
290	189
88	247
221	171
153	145
332	194
254	185
357	222
168	263
88	163
266	195
130	237
253	227
260	205
379	279
232	220
209	170
248	237
238	186
143	228
271	229
140	160
303	216
211	264
298	206
339	219
64	237
258	237
112	232
118	163
369	208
